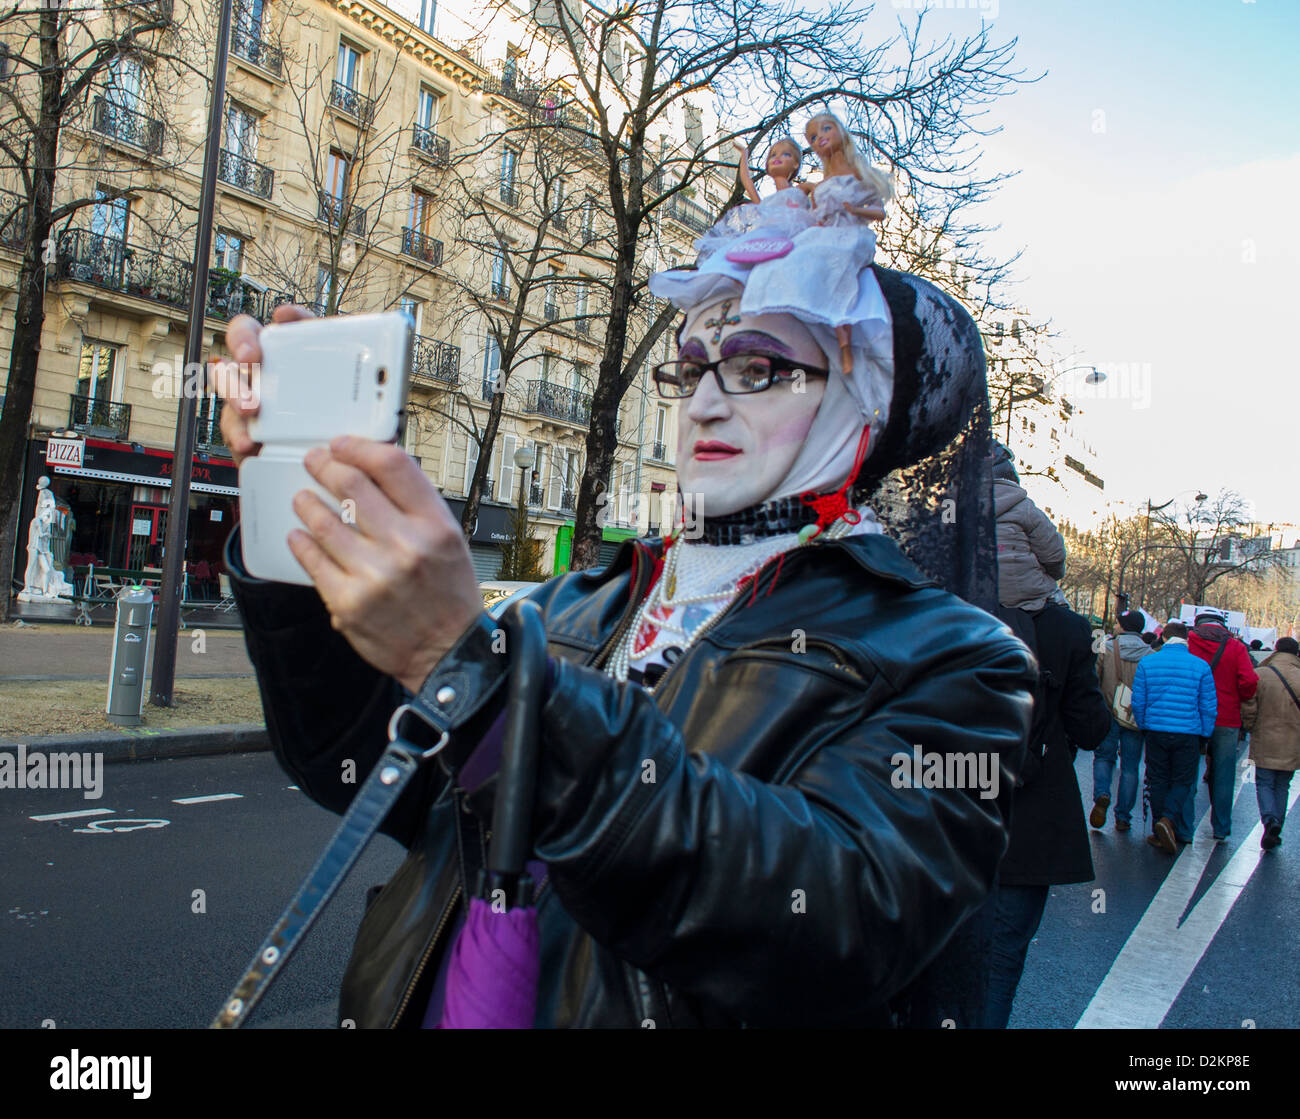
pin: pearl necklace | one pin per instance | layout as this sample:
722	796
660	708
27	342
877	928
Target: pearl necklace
661	595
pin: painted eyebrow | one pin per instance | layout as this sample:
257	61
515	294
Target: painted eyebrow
692	347
736	343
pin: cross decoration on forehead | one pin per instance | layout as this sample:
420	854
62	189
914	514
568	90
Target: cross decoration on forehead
722	321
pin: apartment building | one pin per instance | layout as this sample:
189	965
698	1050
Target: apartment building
345	123
1042	424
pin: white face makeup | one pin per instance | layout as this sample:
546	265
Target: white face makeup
734	450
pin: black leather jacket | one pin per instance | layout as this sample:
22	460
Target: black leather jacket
770	874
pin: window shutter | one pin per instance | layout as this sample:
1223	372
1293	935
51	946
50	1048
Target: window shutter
506	492
471	460
556	481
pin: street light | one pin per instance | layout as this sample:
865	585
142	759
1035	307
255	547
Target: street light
1146	536
1095	377
525	459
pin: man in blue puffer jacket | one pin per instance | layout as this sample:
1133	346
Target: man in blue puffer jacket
1174	701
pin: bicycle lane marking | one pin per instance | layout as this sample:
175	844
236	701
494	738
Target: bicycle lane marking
1159	956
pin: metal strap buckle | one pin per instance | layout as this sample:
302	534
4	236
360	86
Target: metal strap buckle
395	725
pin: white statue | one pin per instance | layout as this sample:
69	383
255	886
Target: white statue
43	582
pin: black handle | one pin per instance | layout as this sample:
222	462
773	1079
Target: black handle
512	815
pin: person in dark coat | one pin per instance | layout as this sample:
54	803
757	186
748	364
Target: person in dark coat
1049	837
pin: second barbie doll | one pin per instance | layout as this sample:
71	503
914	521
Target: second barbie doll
824	276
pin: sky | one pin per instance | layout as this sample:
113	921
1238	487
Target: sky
1157	204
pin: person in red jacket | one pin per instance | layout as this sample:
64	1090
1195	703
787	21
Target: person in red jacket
1234	681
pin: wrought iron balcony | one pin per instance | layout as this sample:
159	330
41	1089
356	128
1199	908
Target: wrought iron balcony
583	325
108	262
13	219
436	149
351	101
436	362
660	452
561	222
500	289
690	214
509	195
550	312
209	435
333	210
568	501
535	494
249	46
512	83
422	247
558	402
105	418
247	174
127	125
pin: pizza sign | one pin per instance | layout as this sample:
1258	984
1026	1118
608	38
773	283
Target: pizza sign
66	452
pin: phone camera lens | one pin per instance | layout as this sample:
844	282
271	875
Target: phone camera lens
381	375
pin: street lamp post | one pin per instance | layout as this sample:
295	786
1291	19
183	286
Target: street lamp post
1146	535
525	460
1095	377
163	676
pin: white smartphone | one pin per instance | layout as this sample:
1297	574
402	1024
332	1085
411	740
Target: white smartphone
319	379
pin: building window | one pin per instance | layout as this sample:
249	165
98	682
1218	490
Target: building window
500	278
588	218
337	175
429	108
110	217
324	289
348	72
421	208
123	85
228	251
415	309
241	131
491	367
428	9
580	299
97	373
548	368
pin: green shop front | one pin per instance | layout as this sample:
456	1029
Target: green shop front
610	540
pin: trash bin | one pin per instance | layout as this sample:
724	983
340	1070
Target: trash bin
130	653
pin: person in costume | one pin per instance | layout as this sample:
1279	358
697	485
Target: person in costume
732	815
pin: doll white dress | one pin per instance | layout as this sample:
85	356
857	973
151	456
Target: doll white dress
783	213
823	277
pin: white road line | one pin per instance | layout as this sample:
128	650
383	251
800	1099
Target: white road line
1159	956
73	815
208	800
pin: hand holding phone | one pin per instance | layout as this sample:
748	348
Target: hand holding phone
319	378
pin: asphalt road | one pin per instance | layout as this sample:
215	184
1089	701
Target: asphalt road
97	927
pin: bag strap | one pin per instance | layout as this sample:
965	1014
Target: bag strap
1218	655
376	797
1287	686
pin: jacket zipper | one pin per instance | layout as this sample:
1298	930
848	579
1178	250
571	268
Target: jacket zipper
638	592
424	960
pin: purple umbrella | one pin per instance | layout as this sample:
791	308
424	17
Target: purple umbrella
492	976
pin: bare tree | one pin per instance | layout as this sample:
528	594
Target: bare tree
624	79
1208	541
75	83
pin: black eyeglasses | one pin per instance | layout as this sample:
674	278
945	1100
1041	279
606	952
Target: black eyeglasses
737	375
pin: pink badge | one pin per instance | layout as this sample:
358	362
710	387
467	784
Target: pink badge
758	249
